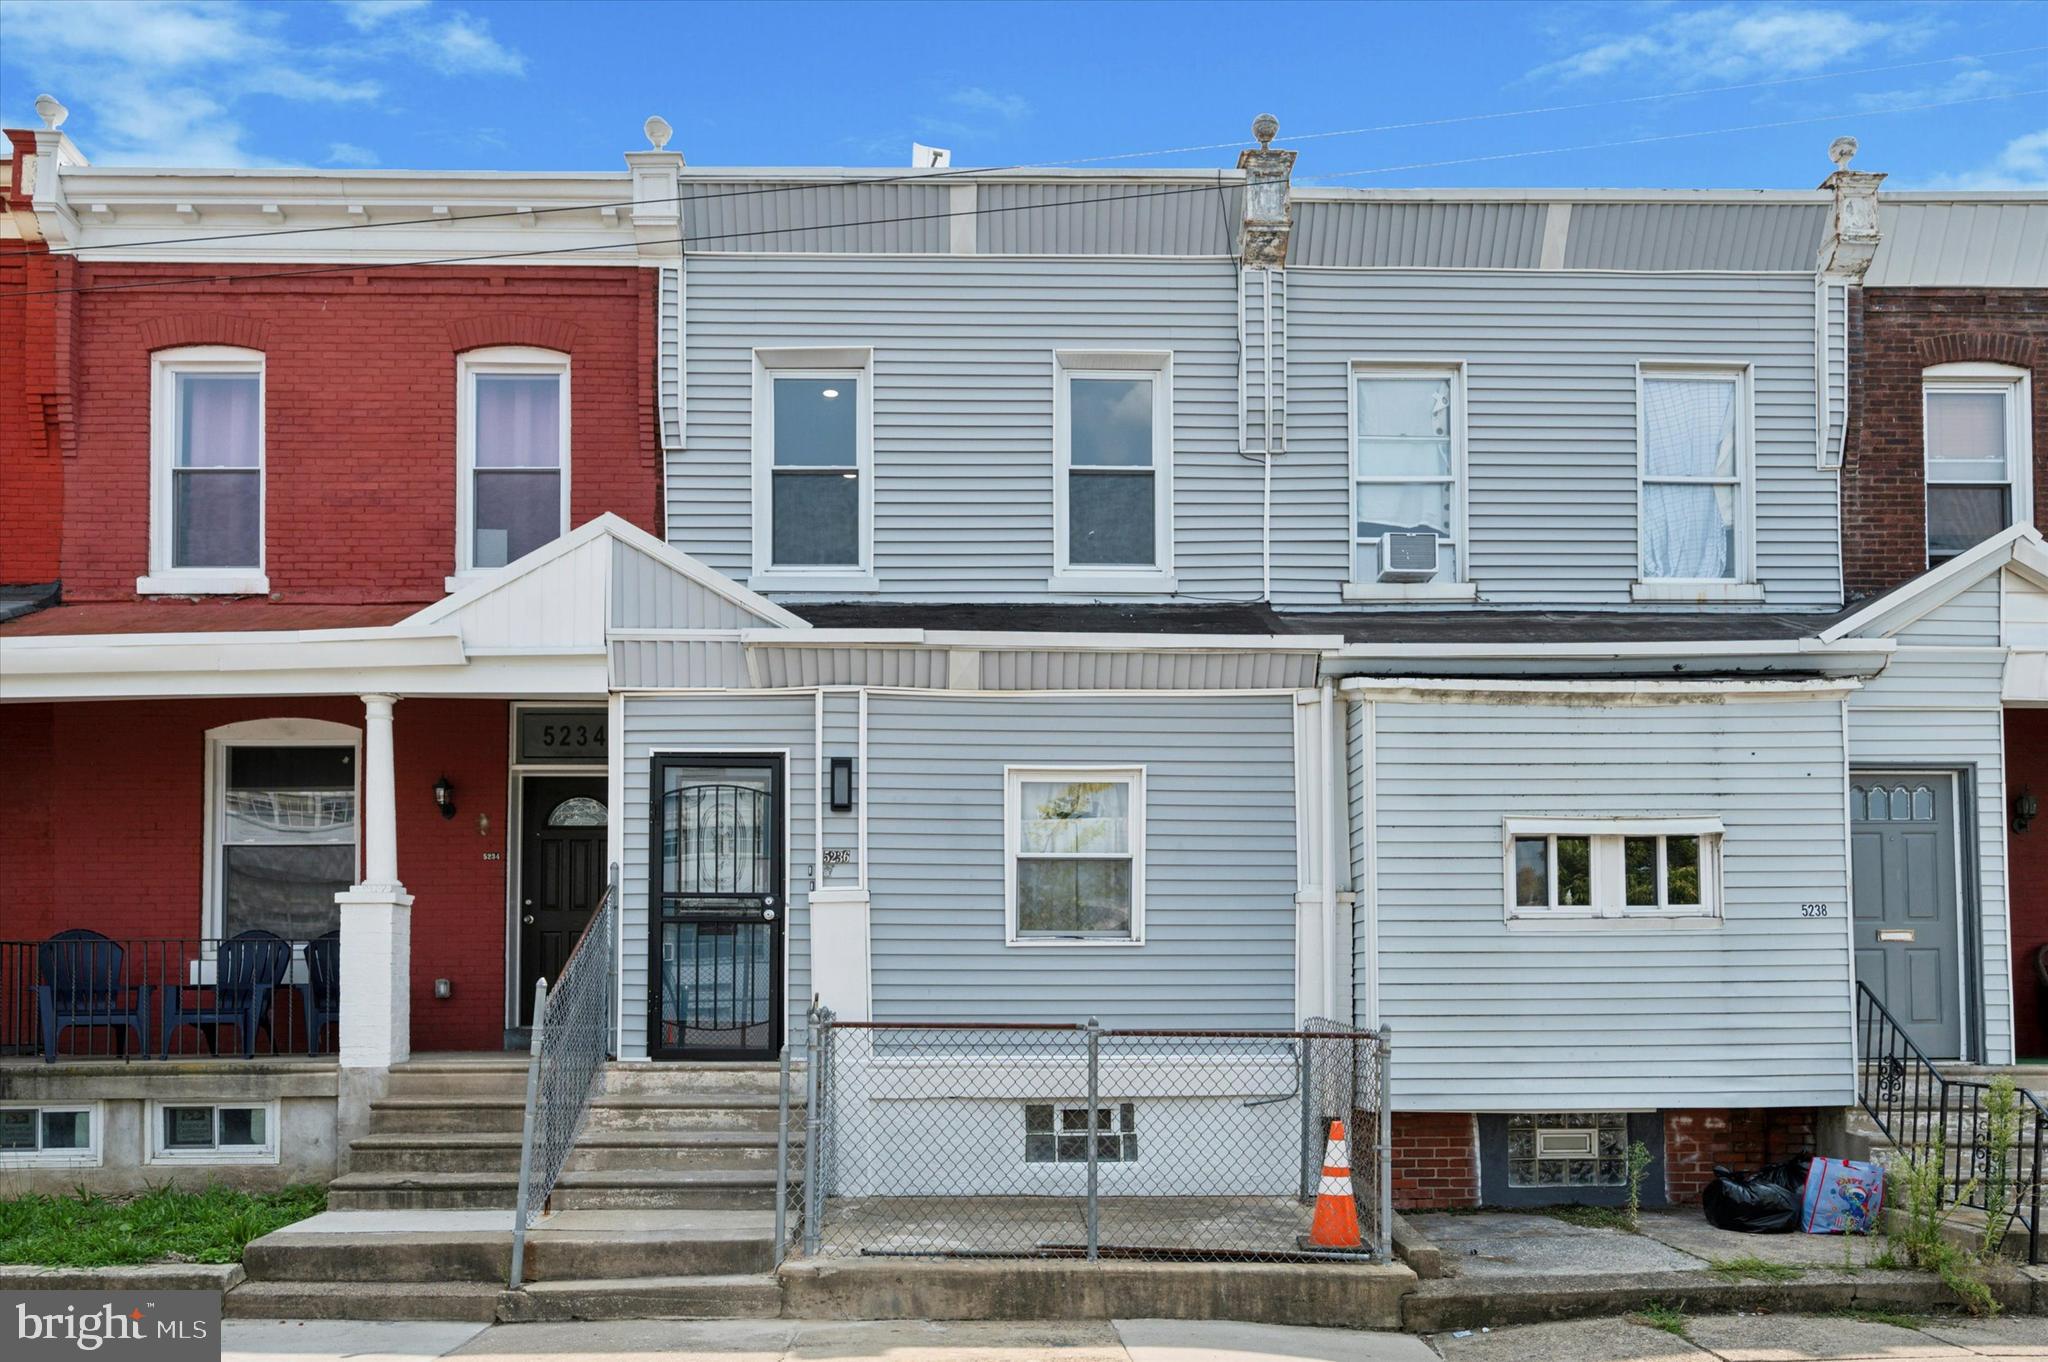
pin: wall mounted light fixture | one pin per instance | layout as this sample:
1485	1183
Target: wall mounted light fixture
2024	808
444	797
842	784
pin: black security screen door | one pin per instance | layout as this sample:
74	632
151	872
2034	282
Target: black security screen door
717	893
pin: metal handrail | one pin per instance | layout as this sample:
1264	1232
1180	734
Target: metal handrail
573	1035
1906	1094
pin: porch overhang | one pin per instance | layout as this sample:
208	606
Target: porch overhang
1707	662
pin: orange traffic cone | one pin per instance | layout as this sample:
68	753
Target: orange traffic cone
1336	1222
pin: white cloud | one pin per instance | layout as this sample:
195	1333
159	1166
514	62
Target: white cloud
2023	164
349	154
1007	107
1733	43
156	82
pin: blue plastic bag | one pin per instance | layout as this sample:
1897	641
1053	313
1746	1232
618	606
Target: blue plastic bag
1843	1197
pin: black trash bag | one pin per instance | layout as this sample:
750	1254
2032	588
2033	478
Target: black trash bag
1764	1202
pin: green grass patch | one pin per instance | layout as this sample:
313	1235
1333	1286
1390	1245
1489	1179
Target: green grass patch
161	1225
1658	1315
1753	1268
1590	1217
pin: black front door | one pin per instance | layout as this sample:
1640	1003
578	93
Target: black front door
716	948
561	874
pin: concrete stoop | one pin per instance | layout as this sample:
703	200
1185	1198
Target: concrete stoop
1453	1303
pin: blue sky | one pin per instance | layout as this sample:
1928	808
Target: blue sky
469	84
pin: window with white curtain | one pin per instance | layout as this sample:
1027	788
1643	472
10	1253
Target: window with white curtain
1693	462
207	531
1978	471
1075	839
514	491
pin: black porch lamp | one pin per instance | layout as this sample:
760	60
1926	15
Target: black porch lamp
444	797
2024	807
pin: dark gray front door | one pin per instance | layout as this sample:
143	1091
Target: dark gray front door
1908	943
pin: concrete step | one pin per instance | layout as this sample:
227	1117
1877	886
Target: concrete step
632	1188
745	1296
481	1079
697	1110
595	1151
476	1301
572	1246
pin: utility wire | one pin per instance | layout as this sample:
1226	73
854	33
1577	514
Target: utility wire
1675	136
928	177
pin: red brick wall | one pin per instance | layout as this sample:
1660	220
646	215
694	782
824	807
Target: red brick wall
1747	1138
34	410
110	833
2026	763
360	390
1894	334
1436	1160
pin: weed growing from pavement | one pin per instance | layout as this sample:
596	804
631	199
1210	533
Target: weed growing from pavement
1917	1189
1754	1268
1896	1318
1638	1164
1591	1217
1658	1315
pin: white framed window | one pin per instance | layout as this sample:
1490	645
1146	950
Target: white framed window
1112	471
206	472
1408	473
233	1132
512	432
1074	855
282	826
1693	493
1057	1132
1603	868
52	1135
1978	423
814	495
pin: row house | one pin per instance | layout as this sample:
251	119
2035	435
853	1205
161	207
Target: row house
1584	631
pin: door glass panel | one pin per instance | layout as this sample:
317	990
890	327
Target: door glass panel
717	831
717	985
580	811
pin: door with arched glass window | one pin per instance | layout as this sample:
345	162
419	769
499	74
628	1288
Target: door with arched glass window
561	874
1909	949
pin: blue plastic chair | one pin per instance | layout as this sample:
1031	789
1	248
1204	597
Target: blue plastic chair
247	970
321	988
82	985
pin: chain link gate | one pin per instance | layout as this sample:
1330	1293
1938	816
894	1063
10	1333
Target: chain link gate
1081	1141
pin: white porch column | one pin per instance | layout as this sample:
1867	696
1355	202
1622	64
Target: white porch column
376	916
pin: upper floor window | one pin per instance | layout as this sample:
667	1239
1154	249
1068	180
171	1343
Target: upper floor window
512	495
813	443
206	522
1407	480
1693	503
1979	464
1113	472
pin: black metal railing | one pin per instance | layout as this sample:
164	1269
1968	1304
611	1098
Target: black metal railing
1912	1101
80	995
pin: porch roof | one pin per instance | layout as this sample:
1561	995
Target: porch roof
250	614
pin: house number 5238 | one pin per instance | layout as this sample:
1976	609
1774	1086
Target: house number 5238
1813	910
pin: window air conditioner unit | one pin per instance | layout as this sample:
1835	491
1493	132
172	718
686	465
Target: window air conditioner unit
1408	556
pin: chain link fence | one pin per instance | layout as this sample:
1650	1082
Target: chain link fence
1030	1140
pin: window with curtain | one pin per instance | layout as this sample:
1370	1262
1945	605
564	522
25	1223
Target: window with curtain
1076	842
815	473
287	838
1971	468
518	464
1404	465
1692	470
215	464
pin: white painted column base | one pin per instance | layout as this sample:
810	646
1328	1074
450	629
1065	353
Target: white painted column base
839	951
1311	977
376	975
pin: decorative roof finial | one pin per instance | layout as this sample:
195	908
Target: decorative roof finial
1841	151
51	112
658	131
1265	127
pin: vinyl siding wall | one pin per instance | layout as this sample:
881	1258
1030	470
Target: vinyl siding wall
1751	1012
1551	400
1219	875
715	723
1938	705
963	403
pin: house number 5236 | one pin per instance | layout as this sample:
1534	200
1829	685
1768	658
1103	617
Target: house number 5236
1813	910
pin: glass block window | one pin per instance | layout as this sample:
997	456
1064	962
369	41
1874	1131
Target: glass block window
1059	1134
1568	1149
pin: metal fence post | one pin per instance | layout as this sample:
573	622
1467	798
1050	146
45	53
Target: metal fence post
813	1202
1094	1095
540	1011
782	1160
1305	1081
1385	1046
